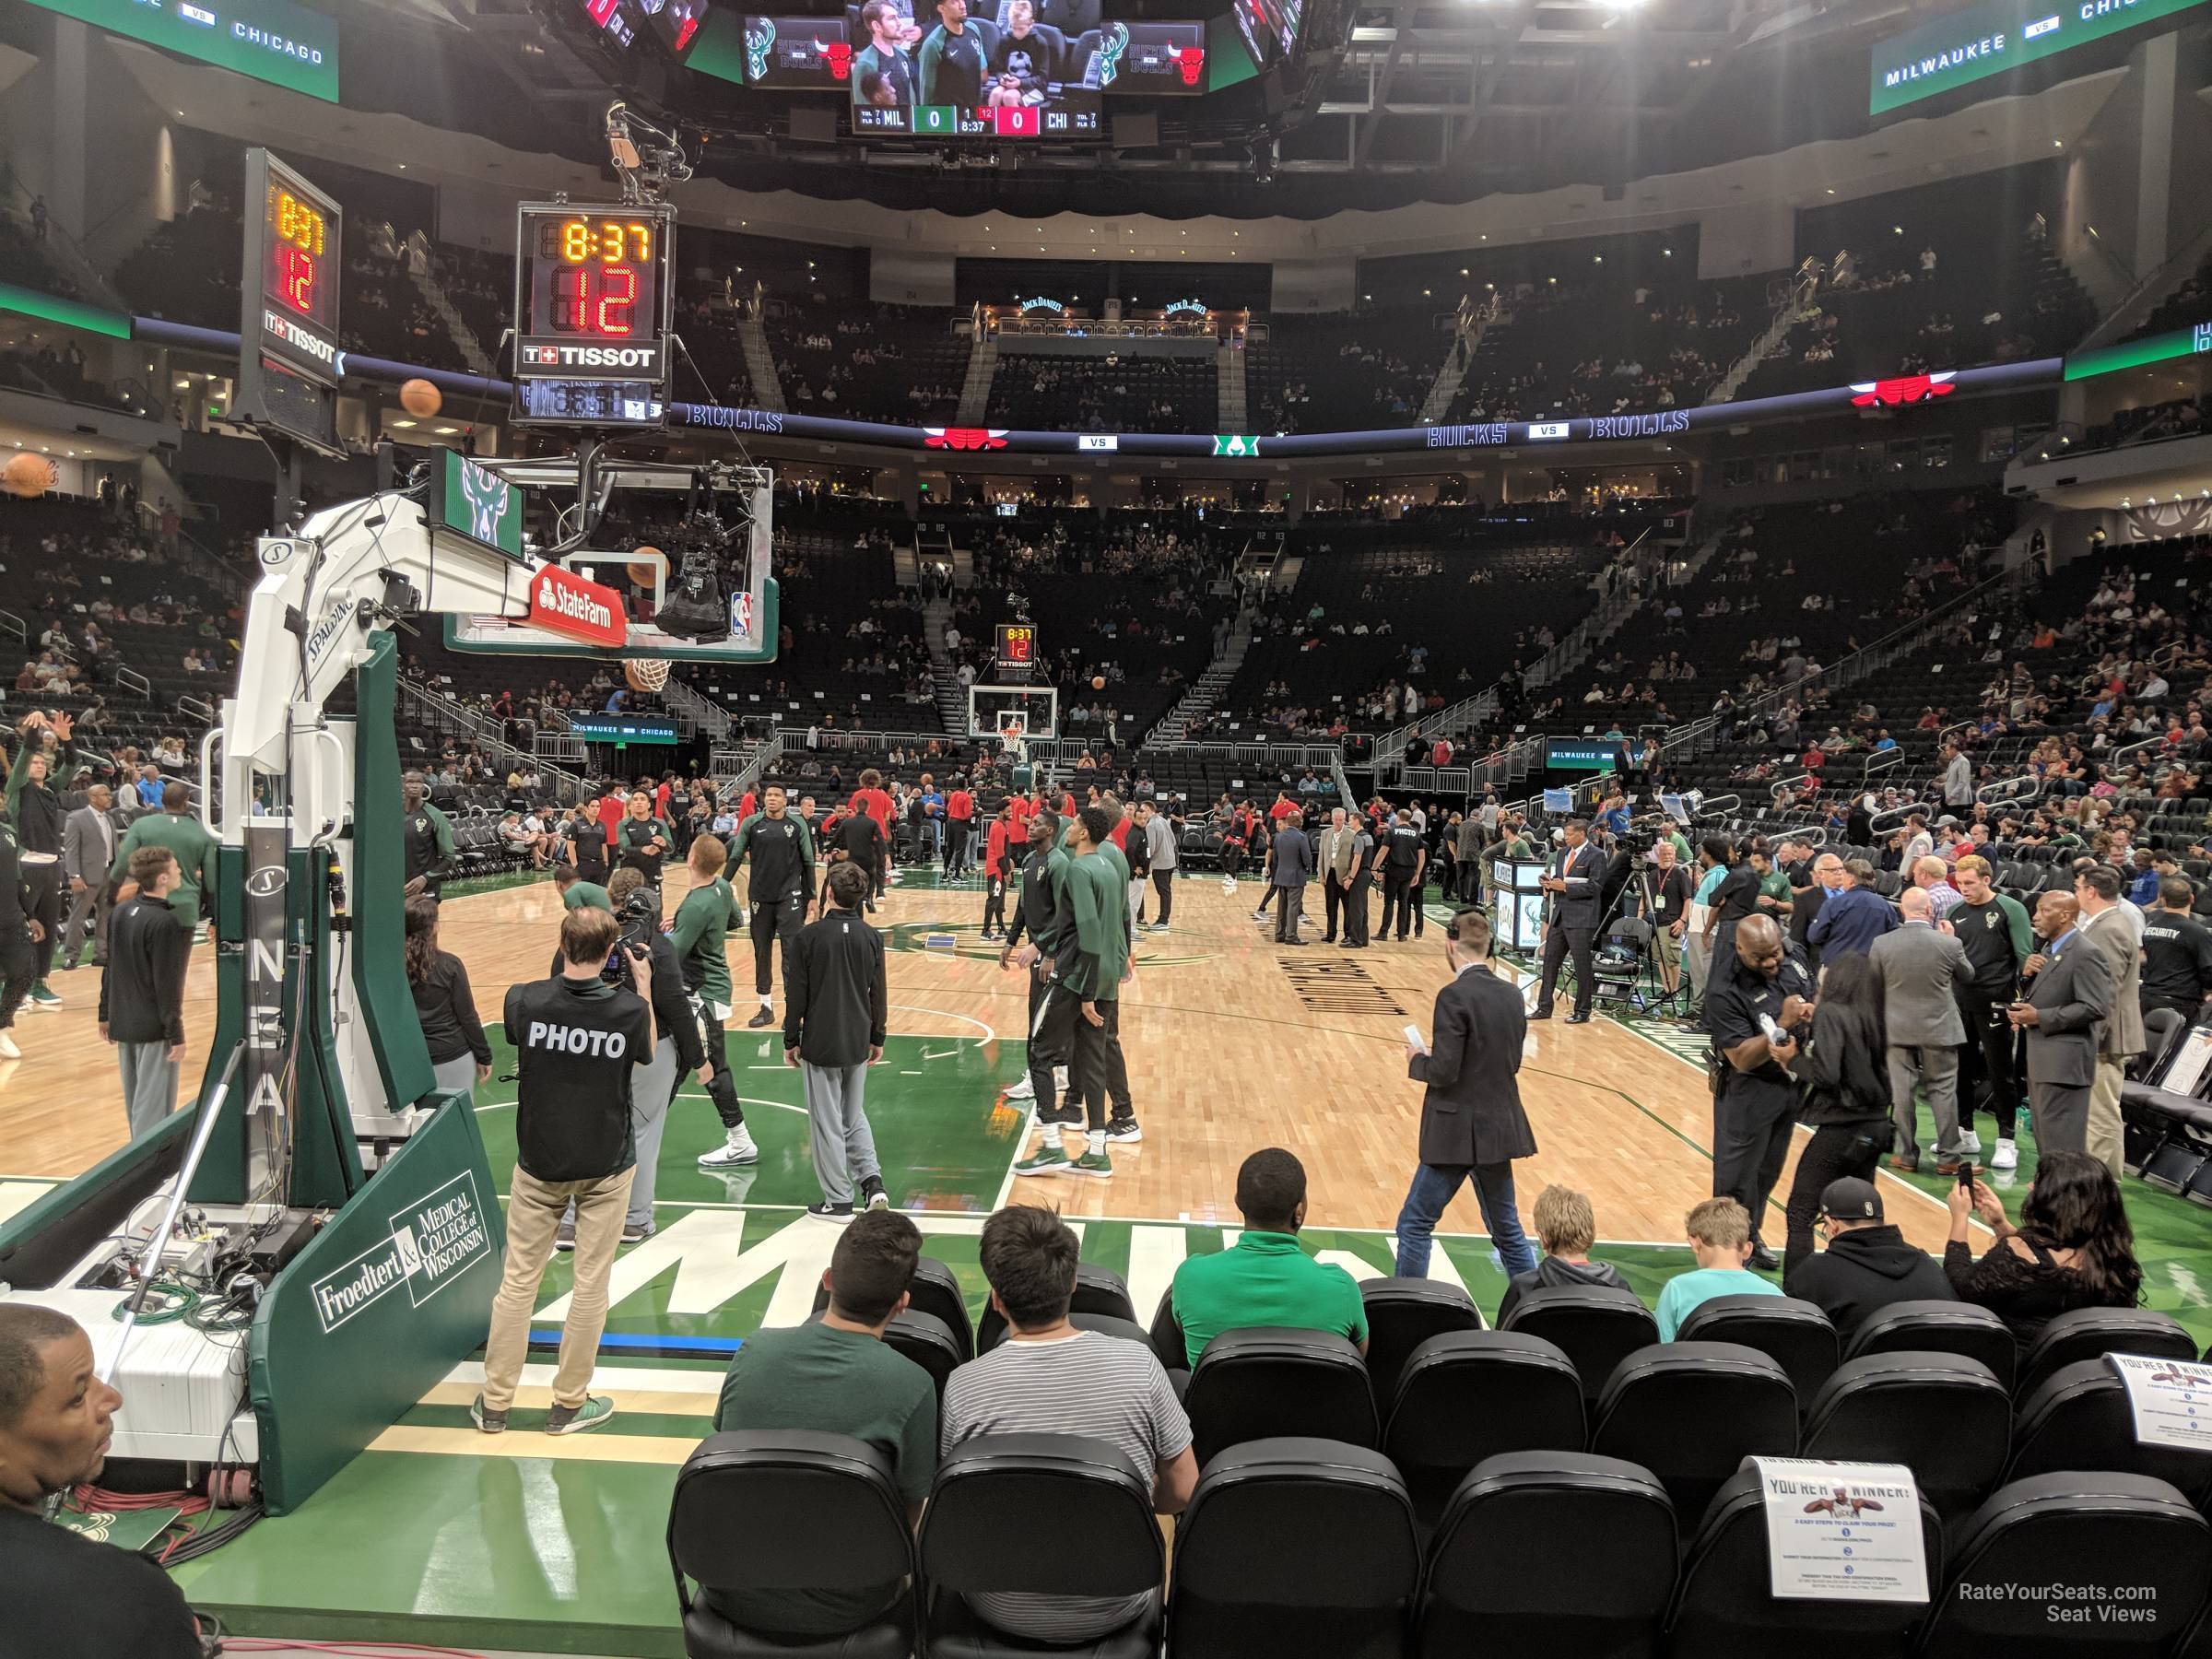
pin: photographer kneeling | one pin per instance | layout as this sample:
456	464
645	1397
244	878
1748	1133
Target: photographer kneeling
577	1039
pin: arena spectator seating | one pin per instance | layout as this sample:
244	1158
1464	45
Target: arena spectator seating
1131	392
864	361
1344	370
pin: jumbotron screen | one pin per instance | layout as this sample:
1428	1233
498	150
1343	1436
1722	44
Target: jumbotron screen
976	68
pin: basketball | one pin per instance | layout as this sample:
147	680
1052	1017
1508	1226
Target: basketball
421	398
27	476
641	572
1097	682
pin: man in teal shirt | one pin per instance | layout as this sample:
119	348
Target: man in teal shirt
834	1376
1267	1279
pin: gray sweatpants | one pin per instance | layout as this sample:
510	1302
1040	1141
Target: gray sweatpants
652	1092
457	1076
844	1147
150	1084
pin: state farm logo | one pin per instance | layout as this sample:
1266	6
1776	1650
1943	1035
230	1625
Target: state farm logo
576	605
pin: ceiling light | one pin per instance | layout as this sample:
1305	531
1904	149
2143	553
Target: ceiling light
399	423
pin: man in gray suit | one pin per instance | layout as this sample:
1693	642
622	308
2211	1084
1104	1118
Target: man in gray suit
1339	857
2106	924
2069	998
1289	867
89	839
1920	967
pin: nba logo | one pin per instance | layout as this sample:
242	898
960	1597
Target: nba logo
741	616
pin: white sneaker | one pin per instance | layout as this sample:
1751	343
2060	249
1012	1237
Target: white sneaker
2006	1155
1023	1091
737	1148
8	1050
1969	1144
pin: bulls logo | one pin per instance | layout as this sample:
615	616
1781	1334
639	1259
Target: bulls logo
1902	389
964	438
838	55
1191	59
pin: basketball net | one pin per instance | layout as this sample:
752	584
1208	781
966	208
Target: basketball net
645	673
1011	735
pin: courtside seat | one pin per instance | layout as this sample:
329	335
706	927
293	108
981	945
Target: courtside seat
2086	1332
1943	1415
1267	1382
1548	1553
1469	1396
1047	1514
2169	1138
1725	1603
1691	1411
786	1509
2078	1418
1294	1545
2073	1528
1098	1291
1939	1327
929	1342
1595	1325
1796	1335
936	1292
1401	1314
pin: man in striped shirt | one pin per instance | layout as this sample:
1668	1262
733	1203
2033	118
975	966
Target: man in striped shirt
1049	1378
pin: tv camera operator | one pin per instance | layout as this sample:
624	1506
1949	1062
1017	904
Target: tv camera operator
579	1040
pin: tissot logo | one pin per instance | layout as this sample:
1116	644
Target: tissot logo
593	357
289	333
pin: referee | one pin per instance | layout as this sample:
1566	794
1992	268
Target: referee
781	889
1403	858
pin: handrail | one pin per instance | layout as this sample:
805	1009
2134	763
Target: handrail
130	679
1880	821
1882	760
2009	789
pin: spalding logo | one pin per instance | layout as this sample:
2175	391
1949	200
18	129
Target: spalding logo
266	882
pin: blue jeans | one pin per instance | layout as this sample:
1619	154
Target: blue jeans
1433	1185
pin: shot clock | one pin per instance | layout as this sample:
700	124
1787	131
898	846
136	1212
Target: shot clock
592	291
1017	653
290	362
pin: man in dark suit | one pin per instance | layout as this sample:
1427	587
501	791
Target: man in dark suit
1575	884
89	838
1289	867
2069	998
1806	902
1472	1124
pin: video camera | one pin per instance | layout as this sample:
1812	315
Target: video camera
640	915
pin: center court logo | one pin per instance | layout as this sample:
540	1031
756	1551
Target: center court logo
967	942
432	1242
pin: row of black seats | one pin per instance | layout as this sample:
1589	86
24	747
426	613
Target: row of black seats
1928	1384
1302	1546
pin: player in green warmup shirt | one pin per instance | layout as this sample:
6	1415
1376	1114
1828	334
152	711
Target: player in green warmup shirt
702	936
426	837
173	827
781	888
1094	950
575	892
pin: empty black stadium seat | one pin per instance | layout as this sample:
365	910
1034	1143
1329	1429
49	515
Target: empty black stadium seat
1548	1553
2077	1530
1940	1327
1294	1547
1401	1314
1471	1395
1796	1335
788	1510
1691	1411
2087	1331
934	1291
928	1342
1269	1380
2078	1418
1943	1415
981	1532
1595	1325
1725	1603
1098	1291
1167	1335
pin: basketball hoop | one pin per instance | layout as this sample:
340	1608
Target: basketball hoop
645	673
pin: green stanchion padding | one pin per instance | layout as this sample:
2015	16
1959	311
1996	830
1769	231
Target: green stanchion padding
50	1234
385	1300
378	902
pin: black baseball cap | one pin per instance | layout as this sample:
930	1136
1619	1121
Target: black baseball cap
1850	1199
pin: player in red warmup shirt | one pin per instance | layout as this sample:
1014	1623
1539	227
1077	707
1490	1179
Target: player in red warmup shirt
1002	836
960	827
872	799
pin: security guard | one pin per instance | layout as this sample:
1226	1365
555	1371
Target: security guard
1767	989
782	887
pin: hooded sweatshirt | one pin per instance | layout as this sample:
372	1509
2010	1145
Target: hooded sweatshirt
1865	1270
1554	1271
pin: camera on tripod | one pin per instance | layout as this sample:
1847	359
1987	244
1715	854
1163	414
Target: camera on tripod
640	915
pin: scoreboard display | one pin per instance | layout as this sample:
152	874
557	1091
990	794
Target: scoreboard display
1017	653
290	360
593	295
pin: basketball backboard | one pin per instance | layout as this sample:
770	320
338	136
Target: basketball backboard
992	709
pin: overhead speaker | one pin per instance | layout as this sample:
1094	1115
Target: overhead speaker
1136	132
817	126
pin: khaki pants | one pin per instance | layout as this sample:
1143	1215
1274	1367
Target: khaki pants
1667	949
533	1211
2105	1133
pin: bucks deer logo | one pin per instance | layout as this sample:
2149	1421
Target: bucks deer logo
1112	45
759	39
487	496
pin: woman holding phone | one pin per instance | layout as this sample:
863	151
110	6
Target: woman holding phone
2073	1248
1846	1095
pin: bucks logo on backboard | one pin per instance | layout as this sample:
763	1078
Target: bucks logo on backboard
477	503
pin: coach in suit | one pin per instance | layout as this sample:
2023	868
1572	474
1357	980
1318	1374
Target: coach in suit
2069	998
1289	867
1339	857
89	838
2116	930
1920	972
1575	884
1472	1124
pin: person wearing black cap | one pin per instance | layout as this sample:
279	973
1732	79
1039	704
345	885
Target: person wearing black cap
1867	1263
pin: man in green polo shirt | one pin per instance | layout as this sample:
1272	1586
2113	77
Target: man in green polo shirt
1267	1279
175	828
576	893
